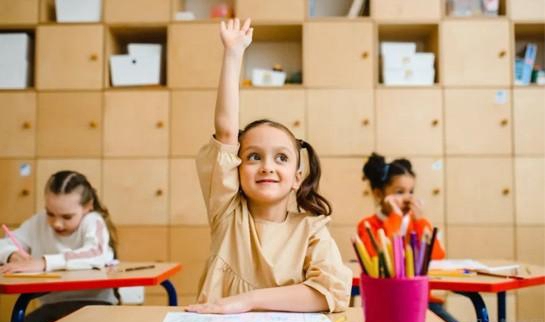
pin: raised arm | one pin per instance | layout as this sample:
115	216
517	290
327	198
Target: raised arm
235	40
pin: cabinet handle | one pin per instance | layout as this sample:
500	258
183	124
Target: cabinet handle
160	124
365	55
25	192
93	57
159	192
93	125
502	53
504	122
365	122
436	191
26	125
434	122
297	124
505	191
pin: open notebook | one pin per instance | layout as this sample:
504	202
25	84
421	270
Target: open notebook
452	264
245	317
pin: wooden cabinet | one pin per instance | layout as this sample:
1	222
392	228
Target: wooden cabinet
476	52
18	12
17	124
430	187
192	121
136	191
137	11
339	54
478	121
418	10
409	121
136	123
530	189
482	242
342	184
69	57
341	122
155	247
90	168
17	190
527	10
277	11
286	106
194	55
69	124
186	203
480	191
529	121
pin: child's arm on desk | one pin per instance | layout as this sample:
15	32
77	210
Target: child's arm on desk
293	298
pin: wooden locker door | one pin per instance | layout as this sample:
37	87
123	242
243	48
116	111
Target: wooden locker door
527	10
136	11
265	10
16	190
19	12
187	206
90	168
286	106
155	247
136	123
430	187
478	122
342	184
428	10
341	122
192	121
409	121
339	54
530	189
136	191
69	124
491	202
529	121
194	55
17	124
476	52
73	64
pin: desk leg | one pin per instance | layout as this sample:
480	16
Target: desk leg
478	303
171	292
502	311
18	313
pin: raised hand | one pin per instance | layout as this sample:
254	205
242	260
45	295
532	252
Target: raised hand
392	203
416	207
234	37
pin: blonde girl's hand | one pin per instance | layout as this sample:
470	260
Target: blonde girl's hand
228	305
234	37
17	257
28	265
392	203
417	209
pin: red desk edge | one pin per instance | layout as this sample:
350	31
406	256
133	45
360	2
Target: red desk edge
56	286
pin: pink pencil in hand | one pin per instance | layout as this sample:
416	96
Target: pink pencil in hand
14	240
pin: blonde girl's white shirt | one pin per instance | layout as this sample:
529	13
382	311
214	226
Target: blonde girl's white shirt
248	253
85	248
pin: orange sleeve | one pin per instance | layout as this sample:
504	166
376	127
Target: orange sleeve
392	224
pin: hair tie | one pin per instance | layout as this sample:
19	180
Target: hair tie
385	172
302	143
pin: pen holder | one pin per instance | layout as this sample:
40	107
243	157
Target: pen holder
394	299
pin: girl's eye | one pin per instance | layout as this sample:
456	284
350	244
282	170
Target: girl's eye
49	214
253	157
282	157
66	217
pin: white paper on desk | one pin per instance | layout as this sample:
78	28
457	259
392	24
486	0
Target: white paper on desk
245	317
450	264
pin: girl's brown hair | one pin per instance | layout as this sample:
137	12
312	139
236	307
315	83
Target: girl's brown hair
307	195
64	182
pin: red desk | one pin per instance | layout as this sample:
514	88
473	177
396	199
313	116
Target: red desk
31	288
471	287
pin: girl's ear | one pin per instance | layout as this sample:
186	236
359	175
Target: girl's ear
298	180
88	207
379	194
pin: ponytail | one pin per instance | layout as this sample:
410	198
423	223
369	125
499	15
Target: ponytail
380	173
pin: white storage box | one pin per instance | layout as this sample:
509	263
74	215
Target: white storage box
14	46
409	77
266	77
127	70
414	61
78	10
397	48
14	74
144	49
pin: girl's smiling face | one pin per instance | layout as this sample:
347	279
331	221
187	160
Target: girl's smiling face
64	212
268	171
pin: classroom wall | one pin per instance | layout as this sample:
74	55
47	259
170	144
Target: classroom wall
476	139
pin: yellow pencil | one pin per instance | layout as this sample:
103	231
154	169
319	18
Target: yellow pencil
409	261
31	275
341	319
364	255
374	262
386	250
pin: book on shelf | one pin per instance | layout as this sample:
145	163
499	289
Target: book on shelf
356	9
525	65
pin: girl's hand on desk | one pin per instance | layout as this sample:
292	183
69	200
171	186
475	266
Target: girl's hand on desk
17	257
28	265
228	305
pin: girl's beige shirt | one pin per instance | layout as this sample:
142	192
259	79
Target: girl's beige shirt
247	253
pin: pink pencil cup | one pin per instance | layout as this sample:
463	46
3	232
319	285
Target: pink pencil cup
394	299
